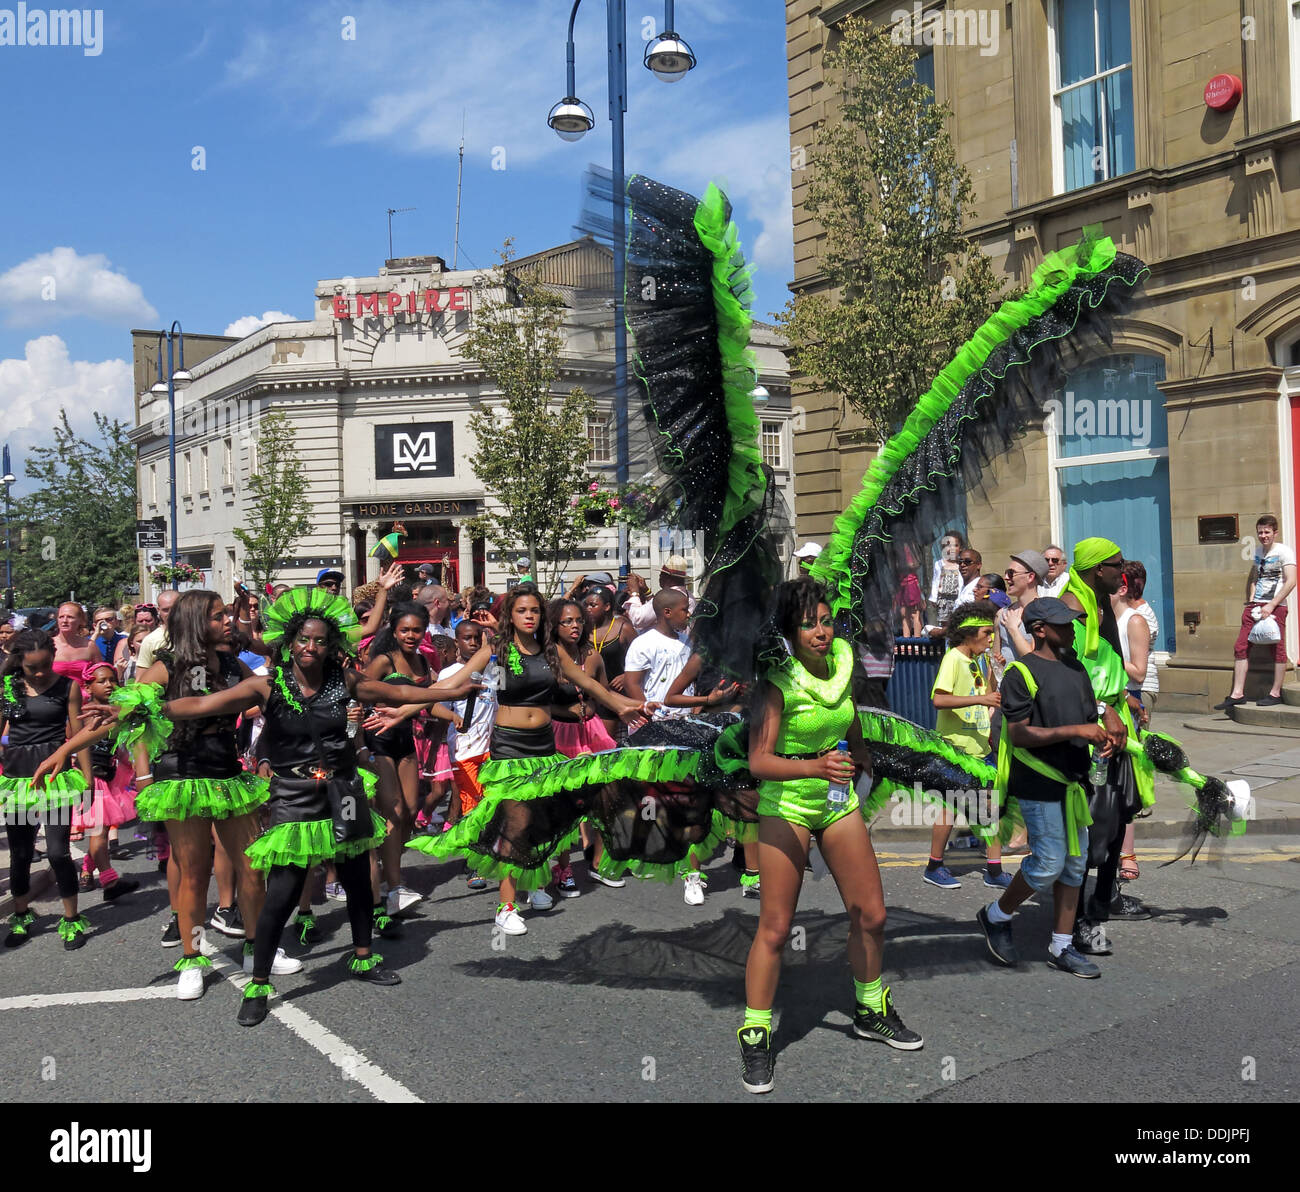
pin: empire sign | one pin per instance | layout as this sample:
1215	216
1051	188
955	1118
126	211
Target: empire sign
431	301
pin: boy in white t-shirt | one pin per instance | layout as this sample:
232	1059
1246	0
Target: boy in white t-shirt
1272	579
467	741
656	657
653	662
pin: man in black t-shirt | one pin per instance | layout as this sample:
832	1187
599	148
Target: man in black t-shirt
1050	719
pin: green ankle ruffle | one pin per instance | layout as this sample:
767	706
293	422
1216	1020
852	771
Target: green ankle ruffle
189	962
253	989
308	843
202	798
358	964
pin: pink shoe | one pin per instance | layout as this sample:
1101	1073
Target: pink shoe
446	827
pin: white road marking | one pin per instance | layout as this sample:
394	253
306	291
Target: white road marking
38	1001
352	1063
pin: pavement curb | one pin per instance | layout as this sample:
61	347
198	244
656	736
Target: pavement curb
1243	730
1147	829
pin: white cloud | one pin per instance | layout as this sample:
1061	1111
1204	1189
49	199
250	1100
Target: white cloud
34	388
64	284
250	323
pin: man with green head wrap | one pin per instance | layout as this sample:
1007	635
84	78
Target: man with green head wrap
1094	578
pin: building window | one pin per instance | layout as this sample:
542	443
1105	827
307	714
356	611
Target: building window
1108	455
600	433
773	452
203	470
227	463
189	475
153	484
1092	92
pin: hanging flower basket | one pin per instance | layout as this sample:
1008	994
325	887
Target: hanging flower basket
181	573
604	507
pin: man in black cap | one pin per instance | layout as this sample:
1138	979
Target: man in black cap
1050	718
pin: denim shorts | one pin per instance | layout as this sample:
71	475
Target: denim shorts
1050	862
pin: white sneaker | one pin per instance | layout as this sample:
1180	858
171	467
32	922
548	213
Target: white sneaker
509	921
190	986
540	900
693	895
281	966
400	898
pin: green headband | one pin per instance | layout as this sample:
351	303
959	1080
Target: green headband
1091	551
316	603
982	621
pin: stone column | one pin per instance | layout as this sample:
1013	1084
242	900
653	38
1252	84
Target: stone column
465	548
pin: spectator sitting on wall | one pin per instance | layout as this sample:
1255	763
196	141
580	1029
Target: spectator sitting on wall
1271	580
1058	572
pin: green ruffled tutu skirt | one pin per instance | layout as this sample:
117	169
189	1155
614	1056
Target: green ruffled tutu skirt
202	798
309	843
19	797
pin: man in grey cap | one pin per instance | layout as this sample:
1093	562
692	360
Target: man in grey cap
1050	718
425	574
1028	569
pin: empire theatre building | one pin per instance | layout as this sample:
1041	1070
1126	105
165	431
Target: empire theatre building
379	393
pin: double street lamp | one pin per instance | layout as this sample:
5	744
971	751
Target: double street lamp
179	379
669	57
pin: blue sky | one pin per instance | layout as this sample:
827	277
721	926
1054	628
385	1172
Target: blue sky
307	136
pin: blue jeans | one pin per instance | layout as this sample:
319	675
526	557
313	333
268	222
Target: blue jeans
1049	861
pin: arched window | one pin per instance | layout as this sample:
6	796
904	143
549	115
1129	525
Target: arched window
1108	448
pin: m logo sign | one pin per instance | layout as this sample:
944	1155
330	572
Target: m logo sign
413	449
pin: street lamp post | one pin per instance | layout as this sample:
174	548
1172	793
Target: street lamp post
669	57
179	379
8	480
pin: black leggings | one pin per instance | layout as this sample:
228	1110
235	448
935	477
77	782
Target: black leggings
22	848
283	889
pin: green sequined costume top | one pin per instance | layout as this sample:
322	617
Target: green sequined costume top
816	717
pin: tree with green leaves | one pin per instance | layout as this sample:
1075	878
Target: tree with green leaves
907	286
78	526
278	510
532	447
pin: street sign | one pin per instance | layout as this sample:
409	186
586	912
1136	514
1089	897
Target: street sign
148	538
154	557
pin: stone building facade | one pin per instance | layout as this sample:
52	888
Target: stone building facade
378	395
1173	124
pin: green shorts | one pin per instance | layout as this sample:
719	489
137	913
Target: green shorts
808	809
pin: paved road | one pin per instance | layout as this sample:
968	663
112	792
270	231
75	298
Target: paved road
629	995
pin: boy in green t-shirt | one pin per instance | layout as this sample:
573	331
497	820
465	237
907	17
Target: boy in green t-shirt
963	693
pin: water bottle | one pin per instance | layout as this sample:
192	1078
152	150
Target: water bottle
838	792
489	676
354	726
1100	768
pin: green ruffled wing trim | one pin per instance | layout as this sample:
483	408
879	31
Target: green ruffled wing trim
140	718
1051	280
588	769
205	798
732	298
702	851
455	843
65	789
308	843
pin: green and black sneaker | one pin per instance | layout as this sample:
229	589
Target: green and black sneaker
20	924
886	1027
73	932
252	1009
757	1058
386	927
305	926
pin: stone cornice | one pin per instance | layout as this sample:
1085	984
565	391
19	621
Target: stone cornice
1234	387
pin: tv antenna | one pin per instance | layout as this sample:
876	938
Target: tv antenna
460	171
391	212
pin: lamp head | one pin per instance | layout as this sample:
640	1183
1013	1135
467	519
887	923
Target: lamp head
159	389
571	119
182	379
669	57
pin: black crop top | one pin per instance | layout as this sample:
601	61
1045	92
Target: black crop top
287	741
534	687
38	719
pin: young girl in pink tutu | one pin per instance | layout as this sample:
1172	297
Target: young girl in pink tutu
111	801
